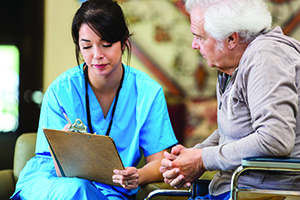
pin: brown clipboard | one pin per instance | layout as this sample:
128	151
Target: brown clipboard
83	155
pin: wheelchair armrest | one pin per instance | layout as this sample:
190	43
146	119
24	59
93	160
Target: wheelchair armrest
272	162
199	188
284	164
162	186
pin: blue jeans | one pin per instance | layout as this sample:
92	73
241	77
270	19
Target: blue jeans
201	191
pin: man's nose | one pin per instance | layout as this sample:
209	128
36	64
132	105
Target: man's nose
195	45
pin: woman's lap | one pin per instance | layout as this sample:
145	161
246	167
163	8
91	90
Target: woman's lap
39	181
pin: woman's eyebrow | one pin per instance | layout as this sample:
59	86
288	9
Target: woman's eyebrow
84	40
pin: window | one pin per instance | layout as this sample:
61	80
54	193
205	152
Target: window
9	88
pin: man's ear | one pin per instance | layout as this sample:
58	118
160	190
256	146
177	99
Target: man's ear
232	41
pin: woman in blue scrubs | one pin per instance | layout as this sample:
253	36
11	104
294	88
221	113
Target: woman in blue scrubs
112	99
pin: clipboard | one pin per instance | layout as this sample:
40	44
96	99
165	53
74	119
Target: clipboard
83	155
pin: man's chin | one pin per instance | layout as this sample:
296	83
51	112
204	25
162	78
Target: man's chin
210	64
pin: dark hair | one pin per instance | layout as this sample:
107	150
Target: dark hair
107	20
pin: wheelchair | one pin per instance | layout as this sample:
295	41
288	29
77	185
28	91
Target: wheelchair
275	164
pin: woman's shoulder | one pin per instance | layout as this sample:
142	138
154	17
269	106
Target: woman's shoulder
72	75
140	78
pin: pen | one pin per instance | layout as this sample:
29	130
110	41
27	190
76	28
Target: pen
65	115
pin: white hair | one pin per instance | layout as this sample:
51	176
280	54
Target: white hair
222	18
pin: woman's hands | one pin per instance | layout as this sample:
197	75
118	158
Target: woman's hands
131	177
128	178
66	127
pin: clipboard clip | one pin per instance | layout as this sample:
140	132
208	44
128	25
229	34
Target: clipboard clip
78	126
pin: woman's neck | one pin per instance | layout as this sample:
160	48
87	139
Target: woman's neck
105	84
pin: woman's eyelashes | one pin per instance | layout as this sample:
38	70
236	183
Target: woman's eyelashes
107	45
87	47
104	45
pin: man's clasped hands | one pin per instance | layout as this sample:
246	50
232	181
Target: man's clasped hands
182	166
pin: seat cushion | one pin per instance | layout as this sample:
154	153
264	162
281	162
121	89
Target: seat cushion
7	183
24	150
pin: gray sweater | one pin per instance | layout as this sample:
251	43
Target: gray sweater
258	114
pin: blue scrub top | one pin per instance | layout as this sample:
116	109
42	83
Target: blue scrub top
141	120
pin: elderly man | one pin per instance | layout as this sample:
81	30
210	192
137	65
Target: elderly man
258	96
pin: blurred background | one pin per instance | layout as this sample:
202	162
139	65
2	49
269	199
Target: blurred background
36	46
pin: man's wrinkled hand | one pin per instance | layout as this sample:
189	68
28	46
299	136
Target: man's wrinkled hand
182	166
